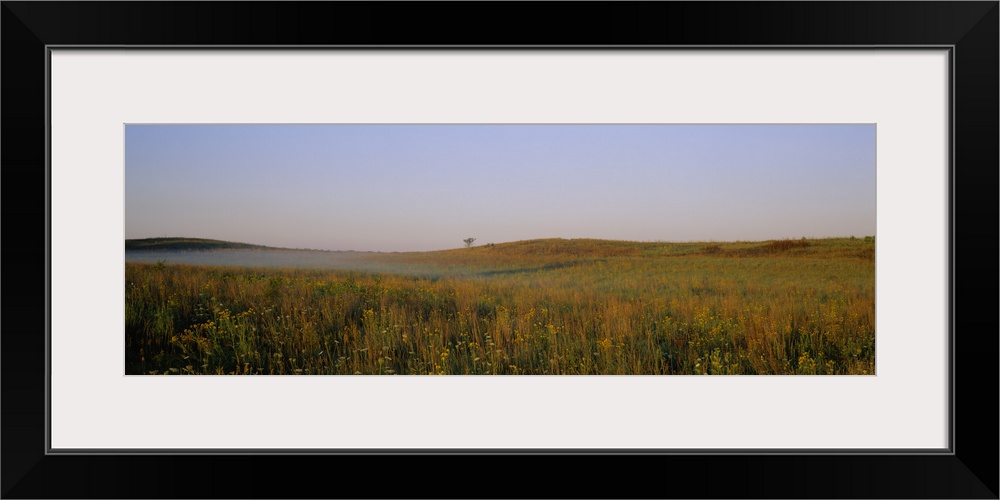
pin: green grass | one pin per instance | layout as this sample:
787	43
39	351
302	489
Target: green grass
533	307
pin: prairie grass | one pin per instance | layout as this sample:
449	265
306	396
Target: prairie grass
537	307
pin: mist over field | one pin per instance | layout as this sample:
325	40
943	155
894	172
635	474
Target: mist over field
273	258
367	262
402	263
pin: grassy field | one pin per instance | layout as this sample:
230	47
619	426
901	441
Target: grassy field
535	307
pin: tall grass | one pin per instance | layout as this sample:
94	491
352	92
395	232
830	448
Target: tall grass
539	307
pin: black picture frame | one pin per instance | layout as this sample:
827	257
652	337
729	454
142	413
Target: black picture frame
968	470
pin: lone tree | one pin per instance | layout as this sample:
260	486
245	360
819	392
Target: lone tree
468	242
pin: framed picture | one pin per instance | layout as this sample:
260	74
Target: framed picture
139	96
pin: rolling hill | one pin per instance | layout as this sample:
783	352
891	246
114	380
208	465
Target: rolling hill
179	243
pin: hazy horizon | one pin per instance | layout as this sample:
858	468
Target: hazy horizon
462	245
428	187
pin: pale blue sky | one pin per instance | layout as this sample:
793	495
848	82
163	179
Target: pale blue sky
428	187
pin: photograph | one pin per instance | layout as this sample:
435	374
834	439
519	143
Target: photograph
394	202
500	249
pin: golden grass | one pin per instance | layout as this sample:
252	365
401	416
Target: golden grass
537	307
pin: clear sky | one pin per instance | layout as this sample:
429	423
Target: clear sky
428	187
